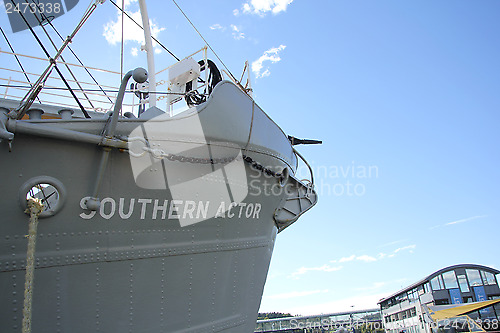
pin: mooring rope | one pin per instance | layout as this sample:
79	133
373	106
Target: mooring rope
35	207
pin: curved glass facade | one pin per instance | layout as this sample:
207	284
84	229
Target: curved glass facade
408	310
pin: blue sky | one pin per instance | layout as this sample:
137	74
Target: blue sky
404	95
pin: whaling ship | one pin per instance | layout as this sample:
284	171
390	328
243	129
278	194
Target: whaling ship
150	220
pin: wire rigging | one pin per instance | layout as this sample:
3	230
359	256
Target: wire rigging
122	44
209	46
38	85
18	61
191	98
46	19
74	54
140	26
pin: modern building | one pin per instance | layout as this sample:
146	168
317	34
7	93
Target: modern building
409	309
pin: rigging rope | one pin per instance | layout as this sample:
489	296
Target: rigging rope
45	18
204	40
35	208
87	14
17	59
122	44
140	26
26	102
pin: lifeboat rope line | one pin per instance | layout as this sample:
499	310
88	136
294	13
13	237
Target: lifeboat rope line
251	128
35	208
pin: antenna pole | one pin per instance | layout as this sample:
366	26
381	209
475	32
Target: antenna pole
150	52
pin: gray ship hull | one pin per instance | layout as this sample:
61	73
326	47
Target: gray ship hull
135	264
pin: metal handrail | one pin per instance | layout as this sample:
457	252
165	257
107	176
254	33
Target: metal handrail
16	87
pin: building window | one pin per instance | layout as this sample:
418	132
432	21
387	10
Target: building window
437	283
413	295
427	287
462	281
474	315
474	277
488	278
450	280
487	313
442	302
497	309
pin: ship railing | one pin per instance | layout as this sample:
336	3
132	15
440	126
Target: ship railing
15	89
100	97
93	97
308	182
97	97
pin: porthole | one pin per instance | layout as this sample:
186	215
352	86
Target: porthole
48	189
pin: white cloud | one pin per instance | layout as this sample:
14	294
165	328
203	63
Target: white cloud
134	51
237	34
294	294
262	7
131	32
380	256
466	220
247	8
346	259
127	3
236	12
265	73
409	247
269	55
324	268
217	26
366	258
458	221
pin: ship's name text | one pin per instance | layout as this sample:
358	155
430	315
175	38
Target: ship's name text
168	209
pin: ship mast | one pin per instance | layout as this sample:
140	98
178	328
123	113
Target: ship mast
148	47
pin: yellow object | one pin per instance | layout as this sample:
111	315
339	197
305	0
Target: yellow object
460	309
